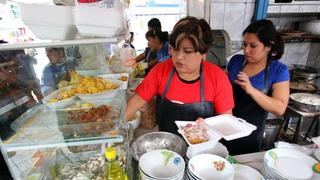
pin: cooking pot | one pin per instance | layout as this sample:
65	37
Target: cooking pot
312	26
304	73
305	101
303	87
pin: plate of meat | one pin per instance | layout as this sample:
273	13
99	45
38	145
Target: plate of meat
195	133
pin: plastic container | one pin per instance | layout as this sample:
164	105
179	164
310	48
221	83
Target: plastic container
113	169
49	22
52	31
105	21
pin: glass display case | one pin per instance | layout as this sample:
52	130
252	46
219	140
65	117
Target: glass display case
57	116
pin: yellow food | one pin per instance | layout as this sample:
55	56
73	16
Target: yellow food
316	168
84	85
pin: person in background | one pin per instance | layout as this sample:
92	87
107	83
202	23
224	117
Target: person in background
19	91
260	82
173	80
56	70
149	57
128	43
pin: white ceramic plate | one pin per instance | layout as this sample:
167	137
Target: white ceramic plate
162	164
317	154
104	94
59	104
291	164
244	172
205	166
124	84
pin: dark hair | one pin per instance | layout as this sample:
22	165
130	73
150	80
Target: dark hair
6	56
131	34
154	23
196	30
267	34
156	32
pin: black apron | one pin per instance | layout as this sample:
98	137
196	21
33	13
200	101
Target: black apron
168	111
247	109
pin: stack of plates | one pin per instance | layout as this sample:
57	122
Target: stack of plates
290	164
207	167
244	172
161	164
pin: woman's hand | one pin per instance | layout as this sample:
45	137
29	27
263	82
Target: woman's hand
130	62
244	81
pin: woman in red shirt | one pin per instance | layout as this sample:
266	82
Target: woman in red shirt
186	86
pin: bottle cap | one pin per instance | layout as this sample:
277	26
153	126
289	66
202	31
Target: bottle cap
111	153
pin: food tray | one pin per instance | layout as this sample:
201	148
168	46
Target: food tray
222	126
72	123
230	127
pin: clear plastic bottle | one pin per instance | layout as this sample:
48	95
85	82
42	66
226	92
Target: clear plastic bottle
113	170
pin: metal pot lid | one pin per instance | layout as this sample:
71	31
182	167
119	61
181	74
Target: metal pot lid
305	70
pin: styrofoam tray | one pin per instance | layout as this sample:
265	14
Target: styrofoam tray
223	126
230	127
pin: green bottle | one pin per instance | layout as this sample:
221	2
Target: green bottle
113	170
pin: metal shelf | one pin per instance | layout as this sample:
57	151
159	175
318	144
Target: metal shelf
51	43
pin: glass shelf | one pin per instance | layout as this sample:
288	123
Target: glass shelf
43	127
50	43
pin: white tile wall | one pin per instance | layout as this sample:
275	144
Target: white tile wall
296	53
273	9
289	8
234	20
308	8
232	16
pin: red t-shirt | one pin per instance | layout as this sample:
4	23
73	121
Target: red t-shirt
217	87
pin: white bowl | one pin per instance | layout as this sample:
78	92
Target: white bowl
136	121
162	164
59	104
203	167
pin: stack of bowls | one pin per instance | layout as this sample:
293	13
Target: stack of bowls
207	167
161	164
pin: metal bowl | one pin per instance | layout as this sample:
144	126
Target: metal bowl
158	140
301	101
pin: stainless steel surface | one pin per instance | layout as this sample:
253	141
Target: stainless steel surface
297	101
303	87
158	140
312	26
271	131
220	49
